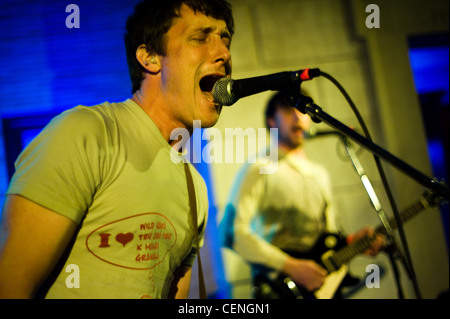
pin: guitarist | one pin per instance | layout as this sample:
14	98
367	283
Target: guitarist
269	215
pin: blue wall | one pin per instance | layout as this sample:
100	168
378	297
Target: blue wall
429	59
47	67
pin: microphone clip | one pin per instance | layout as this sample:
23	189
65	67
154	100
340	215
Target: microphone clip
302	102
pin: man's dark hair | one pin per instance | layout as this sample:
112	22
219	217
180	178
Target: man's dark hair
153	18
279	99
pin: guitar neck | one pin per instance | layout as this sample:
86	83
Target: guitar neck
406	215
345	254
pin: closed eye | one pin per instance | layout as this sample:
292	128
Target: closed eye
202	35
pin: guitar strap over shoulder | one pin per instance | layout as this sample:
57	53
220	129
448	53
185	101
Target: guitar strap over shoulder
193	209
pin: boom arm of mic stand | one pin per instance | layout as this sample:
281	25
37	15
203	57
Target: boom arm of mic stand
306	106
368	186
392	248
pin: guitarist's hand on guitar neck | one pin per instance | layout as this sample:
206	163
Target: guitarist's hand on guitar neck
305	272
334	252
377	244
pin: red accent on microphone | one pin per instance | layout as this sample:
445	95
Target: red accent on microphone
305	75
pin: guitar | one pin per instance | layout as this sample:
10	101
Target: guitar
333	253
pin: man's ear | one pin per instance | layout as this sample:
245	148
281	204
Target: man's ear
270	122
149	61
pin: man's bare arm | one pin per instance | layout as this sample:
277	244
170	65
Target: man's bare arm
33	239
181	282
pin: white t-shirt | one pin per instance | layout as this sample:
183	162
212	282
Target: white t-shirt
108	168
268	214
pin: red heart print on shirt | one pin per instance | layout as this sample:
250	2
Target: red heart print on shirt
124	238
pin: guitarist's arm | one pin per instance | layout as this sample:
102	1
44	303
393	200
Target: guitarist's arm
255	249
305	272
247	242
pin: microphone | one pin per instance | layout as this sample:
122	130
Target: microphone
227	91
312	133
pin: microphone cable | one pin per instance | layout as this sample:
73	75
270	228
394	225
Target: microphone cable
408	265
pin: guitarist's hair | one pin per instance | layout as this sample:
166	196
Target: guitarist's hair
279	99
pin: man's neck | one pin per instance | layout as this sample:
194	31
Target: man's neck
162	119
294	151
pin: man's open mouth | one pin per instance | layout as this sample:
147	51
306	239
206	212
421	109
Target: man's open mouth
207	82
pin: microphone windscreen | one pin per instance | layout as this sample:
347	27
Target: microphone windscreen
222	92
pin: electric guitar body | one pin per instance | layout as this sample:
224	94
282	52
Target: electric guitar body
326	245
333	253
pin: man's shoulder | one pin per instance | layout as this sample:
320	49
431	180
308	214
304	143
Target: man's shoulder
90	119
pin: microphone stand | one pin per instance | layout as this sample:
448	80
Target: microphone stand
392	249
306	105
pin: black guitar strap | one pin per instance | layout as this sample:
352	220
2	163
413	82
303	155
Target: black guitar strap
193	208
